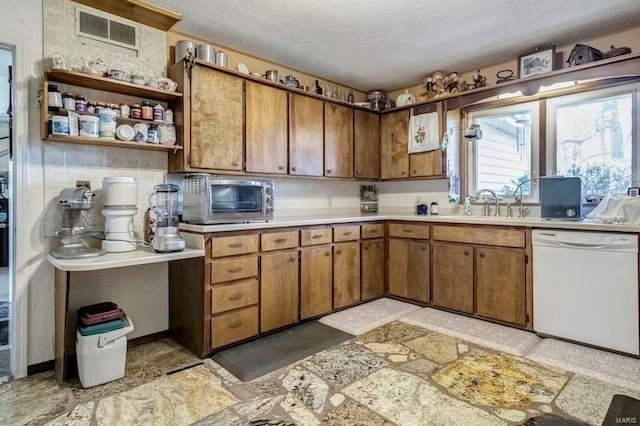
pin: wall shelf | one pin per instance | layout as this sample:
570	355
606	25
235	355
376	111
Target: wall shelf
112	142
110	85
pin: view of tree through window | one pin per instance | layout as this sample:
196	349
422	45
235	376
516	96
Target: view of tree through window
594	142
503	156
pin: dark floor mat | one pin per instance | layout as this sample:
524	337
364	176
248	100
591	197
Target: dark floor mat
259	357
623	410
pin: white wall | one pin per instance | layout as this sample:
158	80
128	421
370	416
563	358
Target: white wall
21	26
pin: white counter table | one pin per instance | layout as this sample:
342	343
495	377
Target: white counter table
70	270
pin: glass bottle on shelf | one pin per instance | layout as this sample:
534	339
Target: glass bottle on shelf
350	98
317	89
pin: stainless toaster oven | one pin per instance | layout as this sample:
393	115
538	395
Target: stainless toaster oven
210	199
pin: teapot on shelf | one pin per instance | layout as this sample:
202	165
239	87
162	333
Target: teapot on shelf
291	81
98	67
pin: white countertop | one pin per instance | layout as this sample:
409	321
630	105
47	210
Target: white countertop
325	217
141	256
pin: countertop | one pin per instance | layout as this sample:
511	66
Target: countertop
328	217
141	256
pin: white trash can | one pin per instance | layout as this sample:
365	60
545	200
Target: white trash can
102	357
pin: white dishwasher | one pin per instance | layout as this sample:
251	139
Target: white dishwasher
585	288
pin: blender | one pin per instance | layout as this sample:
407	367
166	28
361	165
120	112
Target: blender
164	203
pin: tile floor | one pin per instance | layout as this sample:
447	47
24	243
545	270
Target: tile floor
398	373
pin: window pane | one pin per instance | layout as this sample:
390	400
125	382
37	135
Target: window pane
594	141
503	158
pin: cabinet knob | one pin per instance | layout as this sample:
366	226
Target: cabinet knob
327	253
293	259
235	163
329	171
338	251
481	254
466	252
357	172
293	169
280	167
423	248
414	171
404	173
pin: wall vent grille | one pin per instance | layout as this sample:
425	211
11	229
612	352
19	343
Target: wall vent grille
103	28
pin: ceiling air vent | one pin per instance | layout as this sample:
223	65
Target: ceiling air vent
100	27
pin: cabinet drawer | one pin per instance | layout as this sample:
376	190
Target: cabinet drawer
405	230
231	246
494	236
279	240
234	326
373	230
312	237
234	296
234	269
346	233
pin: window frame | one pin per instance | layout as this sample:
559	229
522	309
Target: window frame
471	146
551	128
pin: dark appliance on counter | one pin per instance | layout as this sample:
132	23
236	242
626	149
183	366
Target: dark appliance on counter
560	198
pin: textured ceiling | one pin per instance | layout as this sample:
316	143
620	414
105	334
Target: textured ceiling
388	44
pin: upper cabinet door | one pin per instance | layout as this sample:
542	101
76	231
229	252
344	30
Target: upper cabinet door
338	141
366	127
266	129
216	120
394	130
305	136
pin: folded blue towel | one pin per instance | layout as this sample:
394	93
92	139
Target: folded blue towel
102	327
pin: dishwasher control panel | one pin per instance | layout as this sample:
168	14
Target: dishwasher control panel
585	239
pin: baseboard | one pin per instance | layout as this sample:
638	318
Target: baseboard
147	338
41	367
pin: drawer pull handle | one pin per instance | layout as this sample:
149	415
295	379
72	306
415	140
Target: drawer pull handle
234	270
317	236
236	296
406	231
347	233
235	324
481	254
281	240
235	245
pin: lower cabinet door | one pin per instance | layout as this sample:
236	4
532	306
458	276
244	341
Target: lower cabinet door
409	269
316	281
372	268
234	326
346	274
500	284
278	290
452	276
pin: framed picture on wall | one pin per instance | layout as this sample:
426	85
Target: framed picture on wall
537	62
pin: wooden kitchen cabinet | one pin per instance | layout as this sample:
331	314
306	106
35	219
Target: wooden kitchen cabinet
216	113
305	136
338	141
278	290
408	269
346	274
316	281
266	129
372	268
452	276
394	134
366	144
500	284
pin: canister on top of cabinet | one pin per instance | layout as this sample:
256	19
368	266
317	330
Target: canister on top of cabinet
207	53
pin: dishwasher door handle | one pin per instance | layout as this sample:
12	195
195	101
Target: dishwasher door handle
578	245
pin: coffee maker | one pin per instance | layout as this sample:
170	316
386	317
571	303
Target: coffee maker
164	203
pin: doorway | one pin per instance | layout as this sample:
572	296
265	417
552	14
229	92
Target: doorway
6	129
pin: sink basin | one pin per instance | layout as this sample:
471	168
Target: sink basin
490	218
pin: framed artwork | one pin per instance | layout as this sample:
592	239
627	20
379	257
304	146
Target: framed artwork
538	62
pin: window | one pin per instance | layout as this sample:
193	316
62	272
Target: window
507	153
591	135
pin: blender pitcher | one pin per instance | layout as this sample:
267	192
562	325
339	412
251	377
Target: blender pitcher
164	203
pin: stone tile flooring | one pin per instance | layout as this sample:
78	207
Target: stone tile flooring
396	374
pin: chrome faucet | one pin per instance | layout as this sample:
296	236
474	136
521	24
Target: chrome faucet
485	212
521	208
